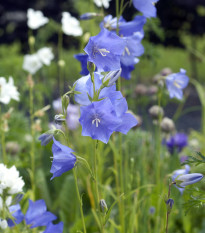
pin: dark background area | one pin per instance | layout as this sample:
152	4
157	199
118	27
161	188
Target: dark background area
175	16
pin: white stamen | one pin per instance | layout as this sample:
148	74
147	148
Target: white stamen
176	84
103	52
126	51
96	121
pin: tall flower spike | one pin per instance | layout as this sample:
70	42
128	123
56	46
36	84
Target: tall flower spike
105	50
176	83
63	159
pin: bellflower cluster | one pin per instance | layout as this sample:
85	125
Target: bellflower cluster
101	118
63	159
179	172
132	34
8	91
36	19
176	83
32	63
147	7
70	25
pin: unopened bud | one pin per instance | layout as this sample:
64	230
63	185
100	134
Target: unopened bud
167	125
169	203
46	137
30	81
89	15
65	102
61	63
103	206
91	67
188	179
111	77
156	112
166	71
31	40
59	119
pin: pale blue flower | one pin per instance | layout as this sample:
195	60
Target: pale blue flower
176	83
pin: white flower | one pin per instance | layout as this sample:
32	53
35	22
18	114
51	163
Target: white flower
8	91
3	224
104	3
70	25
10	180
36	19
32	63
45	55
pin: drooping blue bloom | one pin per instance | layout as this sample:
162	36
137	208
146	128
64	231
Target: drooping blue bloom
177	142
15	210
83	59
125	28
188	179
105	50
63	159
54	228
45	138
37	214
147	7
178	172
133	49
176	83
98	120
85	86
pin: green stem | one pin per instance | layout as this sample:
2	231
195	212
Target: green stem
4	157
33	141
60	76
96	186
79	199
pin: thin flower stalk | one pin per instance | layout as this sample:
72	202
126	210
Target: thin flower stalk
4	156
32	153
79	199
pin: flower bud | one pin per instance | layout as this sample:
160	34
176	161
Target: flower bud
156	112
188	179
89	15
167	125
59	119
91	67
169	203
111	77
31	40
103	206
65	102
3	224
46	137
61	63
166	71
